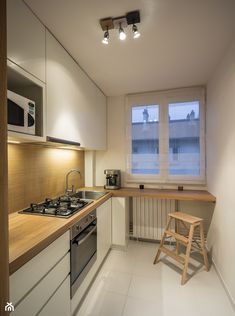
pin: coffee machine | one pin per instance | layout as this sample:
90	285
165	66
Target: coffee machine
113	179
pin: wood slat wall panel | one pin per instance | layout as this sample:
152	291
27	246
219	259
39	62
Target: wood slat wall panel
4	253
36	172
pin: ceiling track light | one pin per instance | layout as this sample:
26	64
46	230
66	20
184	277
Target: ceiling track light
121	22
122	34
105	40
136	33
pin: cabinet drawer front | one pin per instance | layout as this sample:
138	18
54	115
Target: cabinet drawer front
59	304
40	294
23	280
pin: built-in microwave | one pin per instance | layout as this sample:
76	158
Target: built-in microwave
21	113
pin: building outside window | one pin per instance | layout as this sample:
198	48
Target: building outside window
165	136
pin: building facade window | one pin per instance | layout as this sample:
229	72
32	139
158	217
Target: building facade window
166	136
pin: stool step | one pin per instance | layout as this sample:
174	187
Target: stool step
178	237
185	217
172	254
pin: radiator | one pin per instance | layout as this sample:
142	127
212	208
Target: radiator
150	217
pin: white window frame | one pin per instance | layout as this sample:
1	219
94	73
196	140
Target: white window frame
163	99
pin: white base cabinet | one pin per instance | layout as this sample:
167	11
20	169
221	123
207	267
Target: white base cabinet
34	284
103	246
104	230
120	221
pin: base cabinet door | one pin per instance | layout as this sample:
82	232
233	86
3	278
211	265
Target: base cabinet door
120	221
104	230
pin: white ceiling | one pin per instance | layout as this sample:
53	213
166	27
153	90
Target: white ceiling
181	41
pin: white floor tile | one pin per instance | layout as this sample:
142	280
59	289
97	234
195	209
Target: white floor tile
120	262
145	288
117	282
129	284
105	304
140	307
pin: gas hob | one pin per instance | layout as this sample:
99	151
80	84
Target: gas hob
63	206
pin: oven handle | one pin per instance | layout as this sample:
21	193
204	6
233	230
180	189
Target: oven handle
85	238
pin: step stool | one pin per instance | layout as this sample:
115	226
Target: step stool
187	240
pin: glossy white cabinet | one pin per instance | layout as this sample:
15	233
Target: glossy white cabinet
104	230
32	286
25	39
62	296
120	221
76	108
103	246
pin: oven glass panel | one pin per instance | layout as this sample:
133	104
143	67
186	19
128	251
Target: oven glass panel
82	250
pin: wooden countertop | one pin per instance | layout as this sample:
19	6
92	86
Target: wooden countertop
30	234
186	195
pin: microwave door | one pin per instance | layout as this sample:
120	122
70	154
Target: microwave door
16	116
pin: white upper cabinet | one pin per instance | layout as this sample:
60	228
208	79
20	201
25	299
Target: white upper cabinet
76	108
25	39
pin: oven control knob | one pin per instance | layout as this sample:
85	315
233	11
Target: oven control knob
91	216
78	227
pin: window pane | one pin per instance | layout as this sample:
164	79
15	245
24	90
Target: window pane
145	139
184	138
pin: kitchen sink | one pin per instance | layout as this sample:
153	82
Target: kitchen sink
89	195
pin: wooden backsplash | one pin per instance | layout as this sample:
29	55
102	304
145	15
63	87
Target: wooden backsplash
36	172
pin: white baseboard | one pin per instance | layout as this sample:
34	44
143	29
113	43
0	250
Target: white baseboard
232	301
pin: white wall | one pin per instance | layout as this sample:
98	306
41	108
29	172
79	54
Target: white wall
221	167
114	156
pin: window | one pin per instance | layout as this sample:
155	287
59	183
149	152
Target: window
184	137
165	137
145	139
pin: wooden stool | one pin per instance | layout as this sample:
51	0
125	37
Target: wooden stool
187	240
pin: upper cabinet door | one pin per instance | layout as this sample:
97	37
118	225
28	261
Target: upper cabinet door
25	39
76	108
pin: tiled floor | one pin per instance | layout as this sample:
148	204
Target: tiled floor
130	285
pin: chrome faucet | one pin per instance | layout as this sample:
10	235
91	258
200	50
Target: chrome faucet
67	190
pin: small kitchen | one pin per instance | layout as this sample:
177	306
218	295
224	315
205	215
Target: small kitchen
116	187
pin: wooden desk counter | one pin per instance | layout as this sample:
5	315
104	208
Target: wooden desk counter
186	195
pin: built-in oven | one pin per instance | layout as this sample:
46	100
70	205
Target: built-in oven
83	249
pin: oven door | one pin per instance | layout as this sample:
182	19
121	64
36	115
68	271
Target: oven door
83	254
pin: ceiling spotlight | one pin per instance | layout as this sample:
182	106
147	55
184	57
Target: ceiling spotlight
122	34
135	31
105	40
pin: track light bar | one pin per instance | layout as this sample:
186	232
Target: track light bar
121	22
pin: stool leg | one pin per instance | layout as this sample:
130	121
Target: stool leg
188	250
162	241
203	247
177	231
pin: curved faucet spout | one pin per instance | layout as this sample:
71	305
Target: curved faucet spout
67	190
